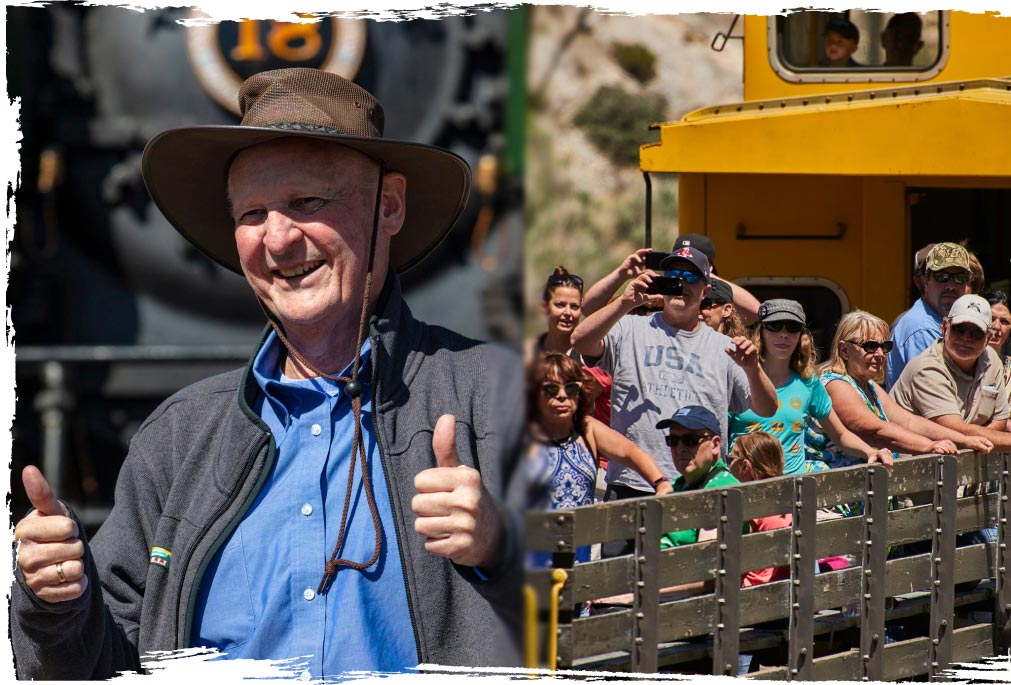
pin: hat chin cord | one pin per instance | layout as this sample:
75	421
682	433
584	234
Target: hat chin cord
354	390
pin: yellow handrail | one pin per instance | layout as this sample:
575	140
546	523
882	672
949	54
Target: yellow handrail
558	578
530	610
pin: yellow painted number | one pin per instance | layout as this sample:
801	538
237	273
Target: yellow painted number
287	41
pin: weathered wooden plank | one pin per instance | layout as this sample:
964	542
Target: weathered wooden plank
605	521
972	644
842	666
595	635
915	523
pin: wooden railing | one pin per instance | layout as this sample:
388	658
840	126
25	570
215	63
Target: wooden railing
805	617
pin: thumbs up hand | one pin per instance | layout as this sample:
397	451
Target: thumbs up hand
49	551
456	514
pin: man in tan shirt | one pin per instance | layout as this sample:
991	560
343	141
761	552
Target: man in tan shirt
958	380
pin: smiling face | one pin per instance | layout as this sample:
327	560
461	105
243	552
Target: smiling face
303	217
563	310
940	296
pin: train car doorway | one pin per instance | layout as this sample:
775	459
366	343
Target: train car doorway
981	216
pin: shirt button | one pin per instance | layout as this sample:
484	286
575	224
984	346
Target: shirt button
304	675
316	429
306	509
309	594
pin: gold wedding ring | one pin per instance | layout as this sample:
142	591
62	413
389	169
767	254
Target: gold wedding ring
59	572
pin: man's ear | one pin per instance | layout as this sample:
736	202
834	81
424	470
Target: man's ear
716	446
394	203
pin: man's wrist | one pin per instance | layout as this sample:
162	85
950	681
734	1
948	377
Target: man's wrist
658	481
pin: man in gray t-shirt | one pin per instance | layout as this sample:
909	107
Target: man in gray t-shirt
666	361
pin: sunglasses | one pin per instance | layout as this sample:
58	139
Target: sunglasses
709	303
777	326
871	346
691	440
555	280
943	277
686	276
572	389
962	331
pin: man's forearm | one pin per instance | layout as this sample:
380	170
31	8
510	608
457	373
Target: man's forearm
600	292
1001	440
588	338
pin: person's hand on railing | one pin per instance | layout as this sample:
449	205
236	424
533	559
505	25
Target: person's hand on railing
976	443
943	447
882	456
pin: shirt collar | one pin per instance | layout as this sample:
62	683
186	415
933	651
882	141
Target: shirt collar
286	394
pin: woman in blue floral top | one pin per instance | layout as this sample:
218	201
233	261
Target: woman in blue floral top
852	374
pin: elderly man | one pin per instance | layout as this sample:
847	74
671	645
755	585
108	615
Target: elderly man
340	500
946	277
958	381
666	361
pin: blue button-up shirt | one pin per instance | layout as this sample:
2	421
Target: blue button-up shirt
258	596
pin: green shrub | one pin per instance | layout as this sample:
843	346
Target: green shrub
617	122
636	59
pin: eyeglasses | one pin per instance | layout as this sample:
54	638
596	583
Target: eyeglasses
555	280
962	331
777	326
690	441
572	389
686	276
943	277
709	303
872	346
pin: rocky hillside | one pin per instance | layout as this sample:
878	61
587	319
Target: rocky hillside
594	84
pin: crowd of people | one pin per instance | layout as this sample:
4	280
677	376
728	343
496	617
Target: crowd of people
709	387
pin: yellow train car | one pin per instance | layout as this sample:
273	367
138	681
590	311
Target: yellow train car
826	179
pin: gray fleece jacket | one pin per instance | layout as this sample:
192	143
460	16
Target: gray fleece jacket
198	462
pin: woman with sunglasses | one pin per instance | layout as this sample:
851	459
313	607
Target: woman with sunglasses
852	376
717	310
1000	330
566	443
786	351
562	304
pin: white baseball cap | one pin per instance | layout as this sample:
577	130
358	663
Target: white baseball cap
972	309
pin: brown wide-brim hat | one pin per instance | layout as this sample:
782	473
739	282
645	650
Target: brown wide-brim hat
186	169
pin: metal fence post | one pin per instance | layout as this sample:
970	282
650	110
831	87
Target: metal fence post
727	586
802	561
875	537
1003	613
646	596
942	566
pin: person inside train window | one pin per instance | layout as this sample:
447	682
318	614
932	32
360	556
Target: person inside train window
901	39
947	275
841	39
668	360
958	382
337	442
787	353
852	377
717	310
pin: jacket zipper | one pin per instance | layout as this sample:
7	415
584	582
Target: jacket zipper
391	483
205	562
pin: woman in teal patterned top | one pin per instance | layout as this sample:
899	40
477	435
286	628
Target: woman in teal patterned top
787	354
851	376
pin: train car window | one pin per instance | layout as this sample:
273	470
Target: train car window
858	46
824	301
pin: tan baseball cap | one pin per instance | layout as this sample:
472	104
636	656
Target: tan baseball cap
946	256
971	309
